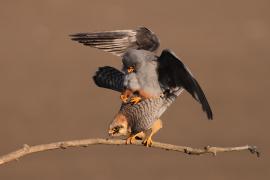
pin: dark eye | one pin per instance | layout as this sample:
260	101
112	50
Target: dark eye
116	129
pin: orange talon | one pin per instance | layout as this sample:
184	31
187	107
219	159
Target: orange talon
124	98
131	69
157	125
132	138
148	142
135	100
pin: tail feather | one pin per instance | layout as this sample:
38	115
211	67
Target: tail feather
109	78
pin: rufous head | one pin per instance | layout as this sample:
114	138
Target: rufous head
119	126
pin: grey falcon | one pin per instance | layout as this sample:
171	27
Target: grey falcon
146	79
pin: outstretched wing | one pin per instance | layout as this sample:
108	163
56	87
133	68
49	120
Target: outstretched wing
110	78
173	74
117	42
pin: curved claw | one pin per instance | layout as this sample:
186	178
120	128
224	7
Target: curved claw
124	98
131	140
148	142
135	100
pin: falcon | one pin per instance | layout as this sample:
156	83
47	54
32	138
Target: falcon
146	78
134	120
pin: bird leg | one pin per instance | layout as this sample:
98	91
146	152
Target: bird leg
132	138
135	99
131	69
125	95
157	125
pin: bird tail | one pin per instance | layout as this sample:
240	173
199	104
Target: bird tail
109	78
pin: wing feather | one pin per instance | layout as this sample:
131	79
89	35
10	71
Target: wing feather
173	73
117	42
109	78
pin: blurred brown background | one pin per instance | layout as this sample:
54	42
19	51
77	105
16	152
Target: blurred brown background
47	93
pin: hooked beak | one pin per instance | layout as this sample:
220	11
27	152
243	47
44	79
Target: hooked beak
130	69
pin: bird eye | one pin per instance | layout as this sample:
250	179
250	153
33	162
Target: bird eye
116	129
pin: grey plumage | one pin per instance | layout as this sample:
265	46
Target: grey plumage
145	77
141	116
131	45
154	75
119	41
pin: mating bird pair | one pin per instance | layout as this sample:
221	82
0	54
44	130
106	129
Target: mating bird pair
148	83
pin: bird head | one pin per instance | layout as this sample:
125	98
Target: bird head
119	126
134	59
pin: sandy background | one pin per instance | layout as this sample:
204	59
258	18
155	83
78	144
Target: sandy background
47	93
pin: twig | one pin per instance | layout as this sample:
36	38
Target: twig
15	155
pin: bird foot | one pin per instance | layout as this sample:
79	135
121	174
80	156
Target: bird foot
135	100
131	139
124	98
148	142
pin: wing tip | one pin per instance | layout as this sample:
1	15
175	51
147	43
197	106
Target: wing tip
208	111
80	37
77	35
96	76
72	35
210	116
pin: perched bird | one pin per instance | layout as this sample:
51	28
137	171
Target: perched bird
136	49
145	77
134	120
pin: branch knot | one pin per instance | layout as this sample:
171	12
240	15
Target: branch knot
26	147
212	150
63	145
254	150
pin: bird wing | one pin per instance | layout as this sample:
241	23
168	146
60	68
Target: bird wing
110	78
117	42
174	74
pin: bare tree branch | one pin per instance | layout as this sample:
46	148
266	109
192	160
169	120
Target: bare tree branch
15	155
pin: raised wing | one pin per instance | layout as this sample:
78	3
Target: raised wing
174	74
117	42
109	78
